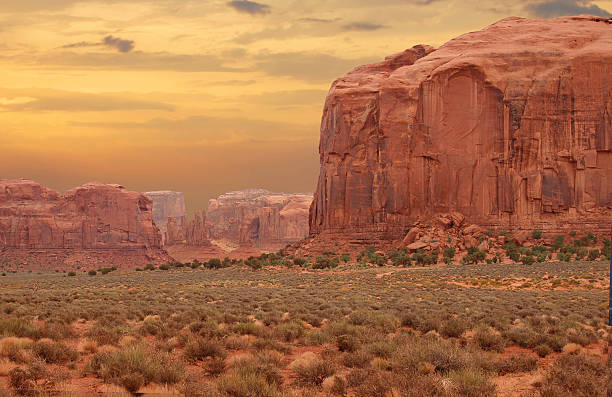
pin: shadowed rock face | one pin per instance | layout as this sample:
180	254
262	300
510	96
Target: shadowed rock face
258	217
97	222
509	126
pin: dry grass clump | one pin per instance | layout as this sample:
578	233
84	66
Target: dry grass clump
516	363
135	366
198	348
575	375
18	327
250	378
14	348
470	382
489	340
311	370
54	352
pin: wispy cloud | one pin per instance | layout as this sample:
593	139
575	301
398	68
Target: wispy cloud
557	8
117	43
363	26
249	7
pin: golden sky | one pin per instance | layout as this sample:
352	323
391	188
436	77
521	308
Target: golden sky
200	96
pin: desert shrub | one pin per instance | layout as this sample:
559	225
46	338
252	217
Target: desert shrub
13	348
25	380
536	234
444	356
71	274
290	330
105	334
92	272
575	375
164	266
558	242
381	348
345	257
199	348
301	262
582	336
268	343
17	327
135	366
528	260
347	343
593	254
357	359
516	363
54	352
453	327
581	253
370	383
449	252
246	328
152	325
313	371
472	383
489	340
317	338
325	262
542	350
473	256
250	379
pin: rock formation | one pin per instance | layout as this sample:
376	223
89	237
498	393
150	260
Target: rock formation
194	232
258	217
167	205
510	126
92	224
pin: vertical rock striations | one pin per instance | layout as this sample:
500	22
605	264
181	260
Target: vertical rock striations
260	218
167	205
91	224
509	126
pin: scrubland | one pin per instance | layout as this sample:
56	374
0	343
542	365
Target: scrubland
295	330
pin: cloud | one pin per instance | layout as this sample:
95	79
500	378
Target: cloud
57	100
137	60
362	26
249	7
288	98
118	43
557	8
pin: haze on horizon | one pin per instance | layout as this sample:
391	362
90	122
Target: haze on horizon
197	96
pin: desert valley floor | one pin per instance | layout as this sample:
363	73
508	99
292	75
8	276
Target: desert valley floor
444	330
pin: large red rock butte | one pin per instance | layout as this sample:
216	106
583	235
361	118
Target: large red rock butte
259	218
90	225
509	126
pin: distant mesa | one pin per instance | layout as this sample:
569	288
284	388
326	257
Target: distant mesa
238	224
90	225
259	218
510	127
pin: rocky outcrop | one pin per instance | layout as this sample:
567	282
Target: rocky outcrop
91	224
509	127
193	232
167	205
260	218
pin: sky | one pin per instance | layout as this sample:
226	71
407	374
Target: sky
201	96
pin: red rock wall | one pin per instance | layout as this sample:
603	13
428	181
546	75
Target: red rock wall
510	126
260	218
96	222
167	204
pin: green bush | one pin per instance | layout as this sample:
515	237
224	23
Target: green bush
71	274
325	262
92	272
301	262
536	234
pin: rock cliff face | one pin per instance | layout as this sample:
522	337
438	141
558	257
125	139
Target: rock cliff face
91	224
194	232
258	217
167	204
509	126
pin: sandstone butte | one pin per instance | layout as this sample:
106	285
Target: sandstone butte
259	218
506	128
90	225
